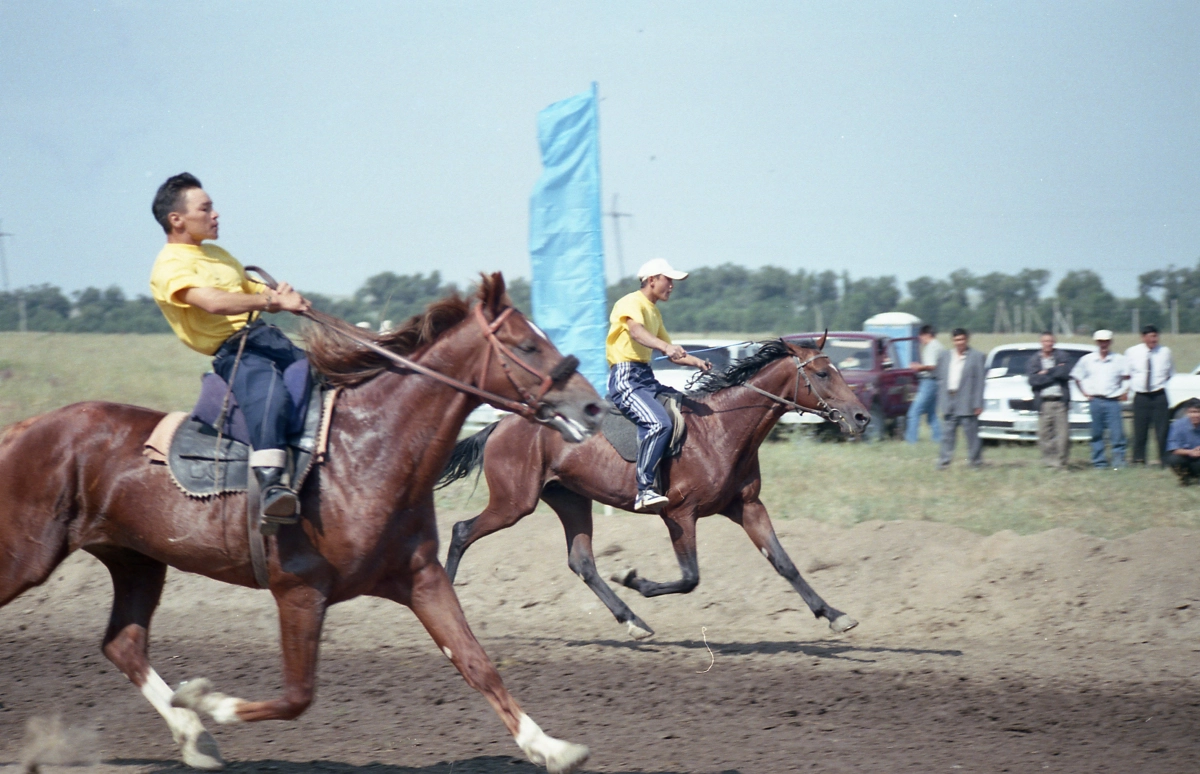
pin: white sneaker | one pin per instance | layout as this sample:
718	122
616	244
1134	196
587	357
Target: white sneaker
649	501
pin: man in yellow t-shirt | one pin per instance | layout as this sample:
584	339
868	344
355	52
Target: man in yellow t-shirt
210	304
635	331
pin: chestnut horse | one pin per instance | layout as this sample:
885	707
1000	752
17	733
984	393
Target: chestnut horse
76	478
728	415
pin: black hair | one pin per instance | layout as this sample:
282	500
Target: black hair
927	330
1149	329
1191	403
959	332
169	197
1047	333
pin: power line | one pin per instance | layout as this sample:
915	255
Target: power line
616	219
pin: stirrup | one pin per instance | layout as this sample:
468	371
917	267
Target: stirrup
280	506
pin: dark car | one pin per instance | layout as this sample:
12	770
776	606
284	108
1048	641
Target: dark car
868	363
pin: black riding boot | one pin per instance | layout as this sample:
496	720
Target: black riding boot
279	504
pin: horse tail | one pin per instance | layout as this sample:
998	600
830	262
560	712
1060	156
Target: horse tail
467	456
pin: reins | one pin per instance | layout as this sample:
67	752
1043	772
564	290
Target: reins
529	407
823	410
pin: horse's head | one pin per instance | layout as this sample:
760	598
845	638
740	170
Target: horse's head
820	388
522	365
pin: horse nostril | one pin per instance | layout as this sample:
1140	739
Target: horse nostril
862	419
592	410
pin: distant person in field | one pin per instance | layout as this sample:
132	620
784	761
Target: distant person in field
635	332
925	401
960	379
1183	444
1150	366
211	305
1049	373
1102	378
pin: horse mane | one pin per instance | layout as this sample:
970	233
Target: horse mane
344	363
739	371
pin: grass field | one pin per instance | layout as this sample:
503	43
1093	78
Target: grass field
842	483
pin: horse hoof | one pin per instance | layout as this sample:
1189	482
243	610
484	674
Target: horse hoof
843	623
202	753
625	579
638	632
190	694
558	756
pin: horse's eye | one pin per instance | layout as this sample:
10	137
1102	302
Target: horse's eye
528	347
823	374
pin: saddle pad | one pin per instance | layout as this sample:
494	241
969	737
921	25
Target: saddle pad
621	431
202	468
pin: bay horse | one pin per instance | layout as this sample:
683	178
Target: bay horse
728	413
75	478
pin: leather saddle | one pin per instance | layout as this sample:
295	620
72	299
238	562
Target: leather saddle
621	431
204	462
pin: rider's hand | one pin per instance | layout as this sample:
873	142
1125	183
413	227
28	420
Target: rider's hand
675	353
288	299
705	365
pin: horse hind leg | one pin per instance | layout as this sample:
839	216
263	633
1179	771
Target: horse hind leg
575	512
682	528
137	587
510	499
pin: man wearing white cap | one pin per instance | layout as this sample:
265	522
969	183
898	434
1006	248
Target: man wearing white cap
1101	377
635	331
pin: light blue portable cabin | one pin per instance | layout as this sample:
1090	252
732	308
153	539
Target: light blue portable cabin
902	328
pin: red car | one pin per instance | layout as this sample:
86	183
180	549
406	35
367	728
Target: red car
868	363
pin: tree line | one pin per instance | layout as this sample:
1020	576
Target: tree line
722	298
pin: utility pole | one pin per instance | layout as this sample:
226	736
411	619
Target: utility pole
3	259
616	219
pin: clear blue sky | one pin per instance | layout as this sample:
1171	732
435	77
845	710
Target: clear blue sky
344	139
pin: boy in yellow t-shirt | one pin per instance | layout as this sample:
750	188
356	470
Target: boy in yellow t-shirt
635	331
208	301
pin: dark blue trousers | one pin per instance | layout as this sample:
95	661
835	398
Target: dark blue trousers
632	388
258	383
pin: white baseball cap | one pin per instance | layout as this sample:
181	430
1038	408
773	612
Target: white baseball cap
1104	334
657	266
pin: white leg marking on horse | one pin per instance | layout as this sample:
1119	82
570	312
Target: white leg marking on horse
557	756
449	653
765	552
199	695
197	745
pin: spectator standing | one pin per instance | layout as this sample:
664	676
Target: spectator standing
960	380
925	401
1101	378
1049	373
1150	366
1183	444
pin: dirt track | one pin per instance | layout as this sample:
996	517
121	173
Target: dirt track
1055	652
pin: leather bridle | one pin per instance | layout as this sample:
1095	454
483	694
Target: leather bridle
530	406
823	410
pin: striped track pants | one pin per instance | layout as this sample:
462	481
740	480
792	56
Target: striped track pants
632	389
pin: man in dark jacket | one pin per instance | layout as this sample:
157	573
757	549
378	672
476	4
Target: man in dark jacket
1049	372
960	378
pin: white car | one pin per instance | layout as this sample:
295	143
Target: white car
1180	388
1008	413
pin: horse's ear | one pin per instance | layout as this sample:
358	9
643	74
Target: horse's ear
821	343
492	293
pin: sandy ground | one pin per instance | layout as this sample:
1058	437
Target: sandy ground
1053	652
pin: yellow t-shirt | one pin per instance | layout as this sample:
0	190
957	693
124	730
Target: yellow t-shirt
620	346
179	267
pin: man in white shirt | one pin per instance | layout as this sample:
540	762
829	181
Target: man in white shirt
925	401
1150	367
1101	377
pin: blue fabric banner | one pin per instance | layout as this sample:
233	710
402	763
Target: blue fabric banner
565	242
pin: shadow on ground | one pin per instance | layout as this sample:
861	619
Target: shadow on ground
487	764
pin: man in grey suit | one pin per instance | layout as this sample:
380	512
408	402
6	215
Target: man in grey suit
960	380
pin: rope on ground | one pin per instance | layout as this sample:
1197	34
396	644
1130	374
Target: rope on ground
711	658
